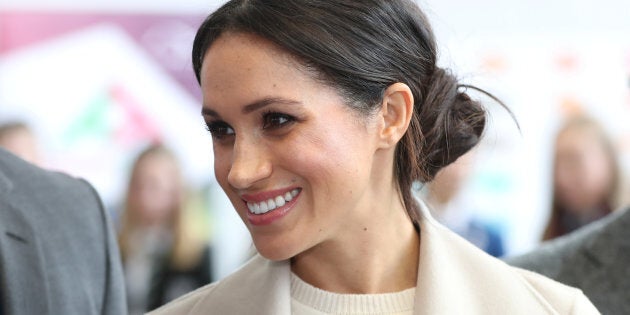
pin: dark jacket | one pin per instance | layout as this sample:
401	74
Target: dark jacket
595	258
58	254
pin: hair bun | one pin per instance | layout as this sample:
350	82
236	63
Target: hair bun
451	123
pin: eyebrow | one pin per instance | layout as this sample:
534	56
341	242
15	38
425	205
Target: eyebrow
256	105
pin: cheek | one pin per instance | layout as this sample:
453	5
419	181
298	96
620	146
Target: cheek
222	165
332	163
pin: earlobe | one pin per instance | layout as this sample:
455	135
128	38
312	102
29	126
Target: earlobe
396	111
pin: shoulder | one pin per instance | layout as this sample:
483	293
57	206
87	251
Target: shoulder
30	183
66	227
563	298
485	285
48	200
551	257
259	286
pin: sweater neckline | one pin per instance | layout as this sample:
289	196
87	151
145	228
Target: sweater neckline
329	302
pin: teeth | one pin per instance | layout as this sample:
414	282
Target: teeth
263	207
279	201
272	203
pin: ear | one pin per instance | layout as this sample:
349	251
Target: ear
396	112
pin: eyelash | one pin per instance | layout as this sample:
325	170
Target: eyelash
270	121
219	129
269	117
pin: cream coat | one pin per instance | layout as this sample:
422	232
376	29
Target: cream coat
454	277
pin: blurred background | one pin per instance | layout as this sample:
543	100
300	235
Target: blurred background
96	88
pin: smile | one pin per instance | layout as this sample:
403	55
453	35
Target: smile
272	203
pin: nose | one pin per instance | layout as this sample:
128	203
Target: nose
250	164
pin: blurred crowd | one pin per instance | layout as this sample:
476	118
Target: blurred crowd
166	252
164	222
165	256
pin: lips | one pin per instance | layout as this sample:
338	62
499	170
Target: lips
267	207
272	203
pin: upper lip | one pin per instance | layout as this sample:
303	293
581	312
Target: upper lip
265	195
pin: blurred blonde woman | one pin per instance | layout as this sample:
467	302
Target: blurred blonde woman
586	176
162	259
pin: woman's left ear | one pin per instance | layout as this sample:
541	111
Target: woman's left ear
396	112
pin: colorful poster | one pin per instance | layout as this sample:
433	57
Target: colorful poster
97	88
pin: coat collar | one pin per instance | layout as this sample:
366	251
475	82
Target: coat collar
261	286
454	277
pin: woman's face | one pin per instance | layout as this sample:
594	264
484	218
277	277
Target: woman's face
583	171
155	189
293	159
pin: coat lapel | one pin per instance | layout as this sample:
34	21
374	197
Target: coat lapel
21	273
260	287
454	277
5	185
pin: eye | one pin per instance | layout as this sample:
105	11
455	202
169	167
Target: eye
219	129
274	120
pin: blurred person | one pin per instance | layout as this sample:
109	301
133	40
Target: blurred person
58	253
585	176
443	195
594	258
323	114
18	138
162	259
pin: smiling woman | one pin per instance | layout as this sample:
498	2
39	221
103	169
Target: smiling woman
323	114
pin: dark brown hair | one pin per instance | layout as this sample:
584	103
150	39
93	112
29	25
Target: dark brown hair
361	48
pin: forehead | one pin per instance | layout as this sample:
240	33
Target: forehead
241	68
239	56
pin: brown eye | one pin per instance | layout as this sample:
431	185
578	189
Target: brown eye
219	129
276	120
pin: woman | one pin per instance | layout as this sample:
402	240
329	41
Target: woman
585	177
323	114
162	259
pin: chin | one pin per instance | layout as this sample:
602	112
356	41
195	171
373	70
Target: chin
275	253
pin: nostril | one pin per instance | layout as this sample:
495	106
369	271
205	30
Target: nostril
250	164
244	175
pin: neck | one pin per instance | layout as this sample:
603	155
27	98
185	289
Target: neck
375	254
